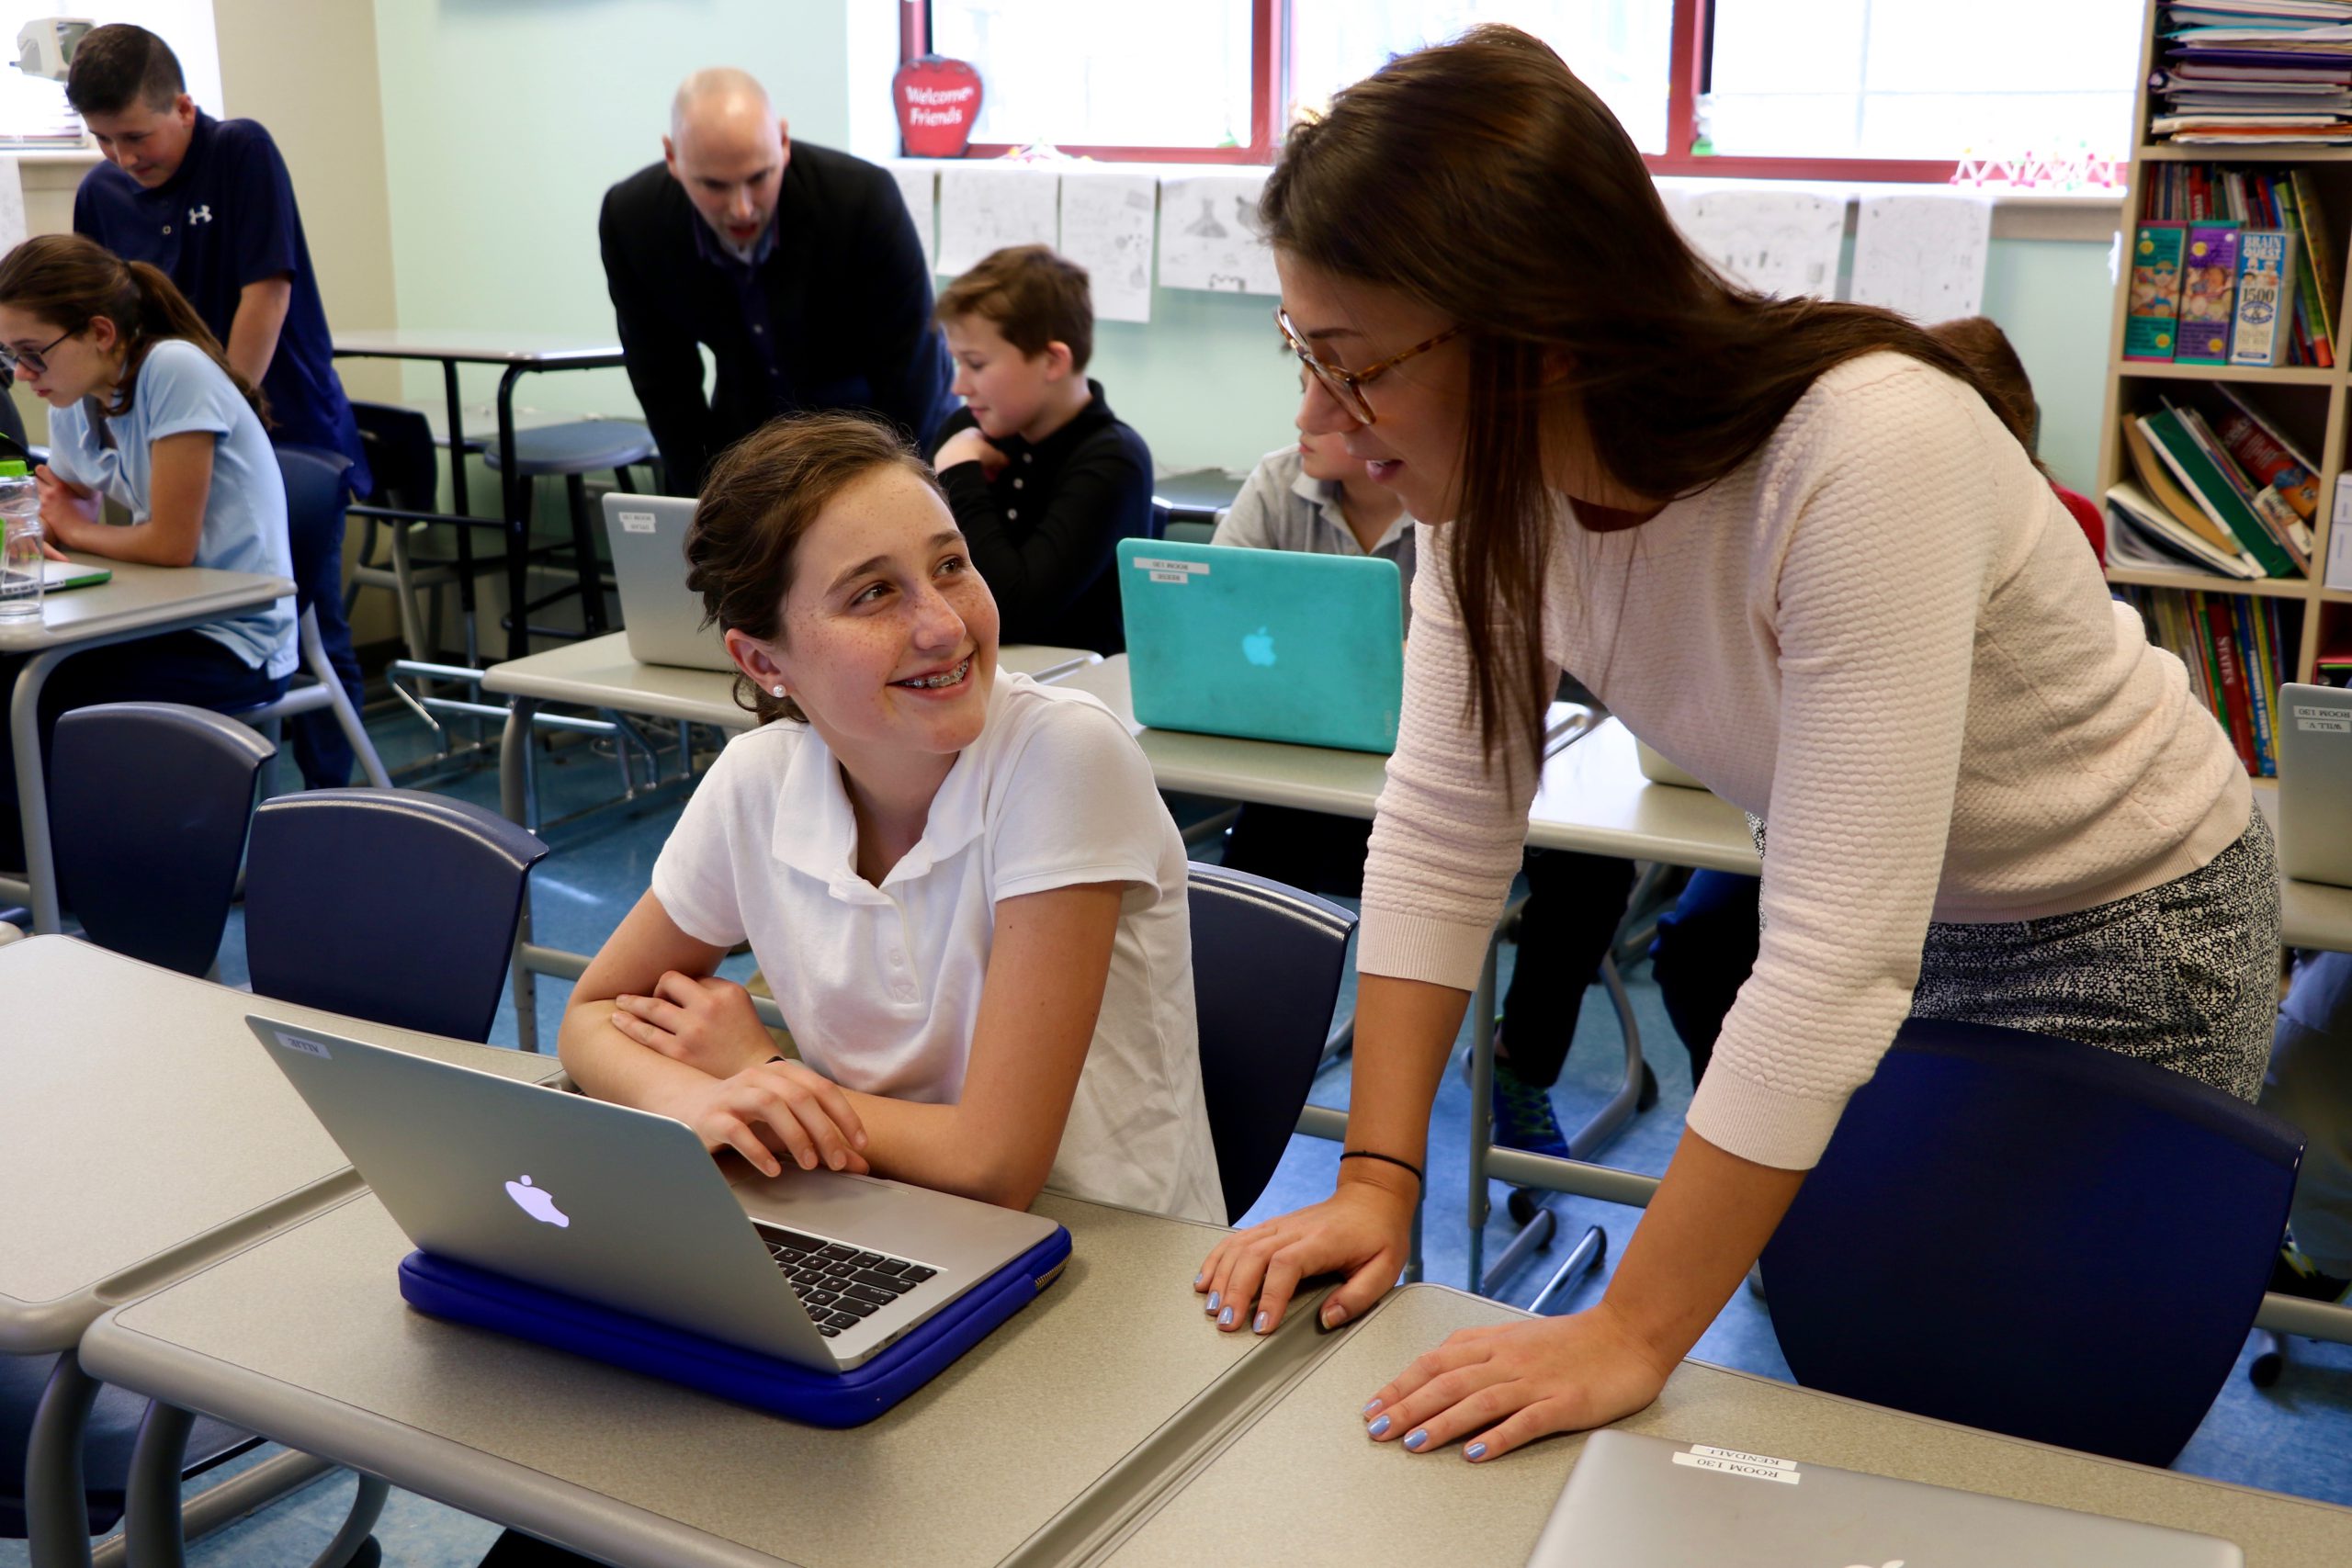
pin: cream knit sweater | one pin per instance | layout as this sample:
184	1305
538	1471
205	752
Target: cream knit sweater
1883	635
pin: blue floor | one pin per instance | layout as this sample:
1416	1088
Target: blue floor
2293	1438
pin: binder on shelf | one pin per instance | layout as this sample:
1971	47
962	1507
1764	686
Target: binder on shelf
2156	480
2205	482
2144	535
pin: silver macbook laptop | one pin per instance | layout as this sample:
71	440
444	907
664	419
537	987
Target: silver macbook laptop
1637	1502
648	537
627	1210
2315	783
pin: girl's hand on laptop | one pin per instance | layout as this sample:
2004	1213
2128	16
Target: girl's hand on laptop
1364	1229
1499	1387
970	447
707	1023
785	1108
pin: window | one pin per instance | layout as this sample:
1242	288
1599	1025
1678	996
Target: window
32	110
1800	89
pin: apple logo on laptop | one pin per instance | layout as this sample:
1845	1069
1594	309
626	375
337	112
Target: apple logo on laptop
534	1202
1258	647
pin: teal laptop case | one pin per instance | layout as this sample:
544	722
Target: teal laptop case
1268	644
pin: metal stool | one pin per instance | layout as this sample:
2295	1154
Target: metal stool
574	451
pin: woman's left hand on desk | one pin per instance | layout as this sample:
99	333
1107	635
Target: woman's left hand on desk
707	1023
1495	1389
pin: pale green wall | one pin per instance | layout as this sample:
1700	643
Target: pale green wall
506	119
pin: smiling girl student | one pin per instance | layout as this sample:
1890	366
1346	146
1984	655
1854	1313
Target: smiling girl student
1789	544
962	885
147	413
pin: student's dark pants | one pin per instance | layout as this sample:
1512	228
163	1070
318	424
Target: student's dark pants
178	667
320	750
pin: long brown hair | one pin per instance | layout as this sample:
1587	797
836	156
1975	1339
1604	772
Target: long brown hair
70	281
1481	178
759	498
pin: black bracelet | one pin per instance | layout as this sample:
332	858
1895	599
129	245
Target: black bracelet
1388	1159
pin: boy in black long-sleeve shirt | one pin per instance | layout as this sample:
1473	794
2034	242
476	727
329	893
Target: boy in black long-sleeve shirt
1043	478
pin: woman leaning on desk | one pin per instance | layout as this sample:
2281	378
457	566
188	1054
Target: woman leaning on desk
1786	541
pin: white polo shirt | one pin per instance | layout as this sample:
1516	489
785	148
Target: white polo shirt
881	986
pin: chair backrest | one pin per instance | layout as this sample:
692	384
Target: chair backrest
148	804
1266	965
2033	1236
401	454
316	492
390	905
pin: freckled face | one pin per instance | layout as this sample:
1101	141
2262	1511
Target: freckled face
889	636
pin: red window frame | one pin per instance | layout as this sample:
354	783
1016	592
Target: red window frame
1686	68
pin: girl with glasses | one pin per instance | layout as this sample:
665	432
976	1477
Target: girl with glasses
1788	542
147	413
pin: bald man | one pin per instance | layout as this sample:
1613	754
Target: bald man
796	265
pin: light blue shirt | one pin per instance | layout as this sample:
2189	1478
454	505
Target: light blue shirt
178	390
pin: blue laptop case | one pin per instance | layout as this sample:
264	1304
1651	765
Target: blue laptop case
1268	644
463	1293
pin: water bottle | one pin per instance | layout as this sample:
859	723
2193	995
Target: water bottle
21	562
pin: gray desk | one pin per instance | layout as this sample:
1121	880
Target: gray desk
1301	1482
143	1134
599	673
520	353
1024	1451
140	601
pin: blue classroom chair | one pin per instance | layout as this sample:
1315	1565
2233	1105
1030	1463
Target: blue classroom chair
148	804
423	942
2033	1236
1266	966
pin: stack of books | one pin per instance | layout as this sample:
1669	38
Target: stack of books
2238	649
2231	495
2232	266
2253	70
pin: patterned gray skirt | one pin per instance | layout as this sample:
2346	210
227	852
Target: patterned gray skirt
2184	975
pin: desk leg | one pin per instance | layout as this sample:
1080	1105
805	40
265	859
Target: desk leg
57	1521
1482	1107
32	784
515	492
466	609
153	1535
518	797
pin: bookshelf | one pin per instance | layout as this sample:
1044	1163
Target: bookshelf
2313	406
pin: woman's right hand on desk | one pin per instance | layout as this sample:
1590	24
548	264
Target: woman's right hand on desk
1364	1230
64	505
779	1108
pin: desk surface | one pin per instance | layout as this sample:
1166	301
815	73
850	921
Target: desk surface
1198	491
144	1130
599	672
1594	798
469	346
139	596
1302	1475
1002	1446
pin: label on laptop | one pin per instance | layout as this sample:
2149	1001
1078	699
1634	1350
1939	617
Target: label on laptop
1731	1461
2335	721
1156	565
307	1047
637	522
1178	577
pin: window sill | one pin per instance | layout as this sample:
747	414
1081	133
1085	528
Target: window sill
2084	216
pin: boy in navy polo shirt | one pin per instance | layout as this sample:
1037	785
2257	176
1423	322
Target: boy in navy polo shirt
210	203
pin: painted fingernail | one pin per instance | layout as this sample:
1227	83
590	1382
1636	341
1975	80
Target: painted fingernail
1371	1406
1475	1451
1380	1428
1258	1324
1225	1318
1334	1314
1415	1438
1198	1280
1214	1297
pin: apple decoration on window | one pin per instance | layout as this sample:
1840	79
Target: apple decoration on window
938	99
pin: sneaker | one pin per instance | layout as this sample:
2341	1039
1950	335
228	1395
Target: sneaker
2293	1275
1523	1118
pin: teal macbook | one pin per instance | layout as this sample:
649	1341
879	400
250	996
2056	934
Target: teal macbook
1270	645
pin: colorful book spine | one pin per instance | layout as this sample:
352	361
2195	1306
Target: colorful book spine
2236	708
2244	614
2152	329
2263	326
2258	447
2321	256
2311	346
2214	489
2207	293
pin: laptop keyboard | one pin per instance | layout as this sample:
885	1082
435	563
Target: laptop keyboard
838	1284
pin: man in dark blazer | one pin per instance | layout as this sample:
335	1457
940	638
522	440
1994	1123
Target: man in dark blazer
797	266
